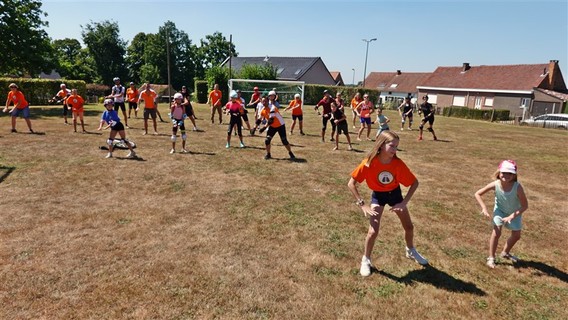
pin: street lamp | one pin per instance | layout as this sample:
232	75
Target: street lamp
353	76
366	55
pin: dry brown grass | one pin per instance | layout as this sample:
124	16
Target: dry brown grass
224	234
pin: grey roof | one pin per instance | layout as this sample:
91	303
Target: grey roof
288	68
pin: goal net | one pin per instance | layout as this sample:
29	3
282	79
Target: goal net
285	89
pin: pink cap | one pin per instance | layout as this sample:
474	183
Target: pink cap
509	166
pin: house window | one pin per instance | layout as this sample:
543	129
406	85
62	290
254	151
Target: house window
478	102
394	85
432	98
279	71
525	102
298	71
459	101
489	102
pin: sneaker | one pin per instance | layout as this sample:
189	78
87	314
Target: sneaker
172	151
227	146
267	156
131	155
420	138
145	133
292	156
242	145
413	254
334	148
331	139
194	129
366	265
109	155
302	133
350	148
13	131
491	262
435	138
509	256
401	129
156	133
184	151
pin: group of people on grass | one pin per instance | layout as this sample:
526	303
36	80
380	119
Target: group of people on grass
382	170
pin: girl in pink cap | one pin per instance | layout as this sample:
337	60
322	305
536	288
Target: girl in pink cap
510	203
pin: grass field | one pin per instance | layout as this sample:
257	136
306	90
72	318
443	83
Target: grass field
224	234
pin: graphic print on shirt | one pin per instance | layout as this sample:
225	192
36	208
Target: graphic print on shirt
385	177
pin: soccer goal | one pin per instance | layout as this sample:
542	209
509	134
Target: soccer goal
285	89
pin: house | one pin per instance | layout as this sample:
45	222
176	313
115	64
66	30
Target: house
336	75
395	86
309	70
525	90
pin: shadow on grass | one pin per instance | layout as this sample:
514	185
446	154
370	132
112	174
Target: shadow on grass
437	278
298	160
5	172
201	153
542	267
442	140
44	112
137	158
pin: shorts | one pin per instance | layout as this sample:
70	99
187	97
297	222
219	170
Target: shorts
429	119
515	225
119	105
365	121
117	127
189	110
342	128
65	106
300	117
132	105
78	112
387	197
149	113
409	116
25	112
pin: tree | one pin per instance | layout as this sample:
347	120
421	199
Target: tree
215	49
135	57
107	50
74	61
24	46
253	71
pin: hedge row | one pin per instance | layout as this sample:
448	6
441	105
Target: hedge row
468	113
312	92
39	91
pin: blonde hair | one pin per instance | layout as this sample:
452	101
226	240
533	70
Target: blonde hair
497	175
384	137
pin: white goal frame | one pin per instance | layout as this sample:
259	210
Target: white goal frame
269	85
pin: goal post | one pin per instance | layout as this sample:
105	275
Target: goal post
285	89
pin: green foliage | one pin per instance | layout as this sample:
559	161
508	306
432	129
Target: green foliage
254	71
25	48
135	57
38	91
107	50
201	90
468	113
74	62
218	75
314	93
215	49
99	90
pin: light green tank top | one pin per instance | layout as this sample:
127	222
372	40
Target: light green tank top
506	202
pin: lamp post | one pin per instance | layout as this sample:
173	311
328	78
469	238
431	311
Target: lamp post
353	76
366	55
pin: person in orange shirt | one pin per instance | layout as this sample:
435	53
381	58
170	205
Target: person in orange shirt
383	172
214	101
132	95
75	103
17	99
297	113
354	103
148	95
61	96
274	124
364	110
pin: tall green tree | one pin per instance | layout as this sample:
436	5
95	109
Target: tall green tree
135	57
25	47
74	62
215	49
107	50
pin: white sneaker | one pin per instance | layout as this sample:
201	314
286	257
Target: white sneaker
366	265
172	151
194	128
491	262
109	155
131	155
413	254
509	256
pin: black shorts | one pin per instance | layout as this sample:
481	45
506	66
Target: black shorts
149	113
119	105
429	119
189	110
65	110
132	105
117	127
342	128
387	197
299	117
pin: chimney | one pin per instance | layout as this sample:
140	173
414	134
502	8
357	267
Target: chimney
398	73
552	65
465	66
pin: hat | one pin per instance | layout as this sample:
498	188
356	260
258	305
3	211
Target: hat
297	95
13	85
509	166
108	102
178	95
272	93
233	94
131	83
325	91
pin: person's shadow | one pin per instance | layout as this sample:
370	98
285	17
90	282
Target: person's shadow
437	278
543	269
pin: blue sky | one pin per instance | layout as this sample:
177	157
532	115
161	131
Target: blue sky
413	36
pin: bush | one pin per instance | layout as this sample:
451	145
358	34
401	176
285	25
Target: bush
39	91
219	75
314	92
201	90
97	92
478	114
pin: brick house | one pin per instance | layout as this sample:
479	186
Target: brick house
336	75
395	86
526	90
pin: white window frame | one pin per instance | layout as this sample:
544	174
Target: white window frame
478	102
489	101
458	101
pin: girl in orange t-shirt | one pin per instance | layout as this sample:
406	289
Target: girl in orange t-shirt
383	172
75	103
21	106
297	113
354	103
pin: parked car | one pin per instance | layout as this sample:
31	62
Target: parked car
551	120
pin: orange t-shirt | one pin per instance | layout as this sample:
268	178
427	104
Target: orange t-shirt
355	103
132	95
215	97
76	103
18	99
383	177
296	106
278	120
148	96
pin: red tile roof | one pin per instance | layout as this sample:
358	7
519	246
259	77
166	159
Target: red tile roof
405	82
523	77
